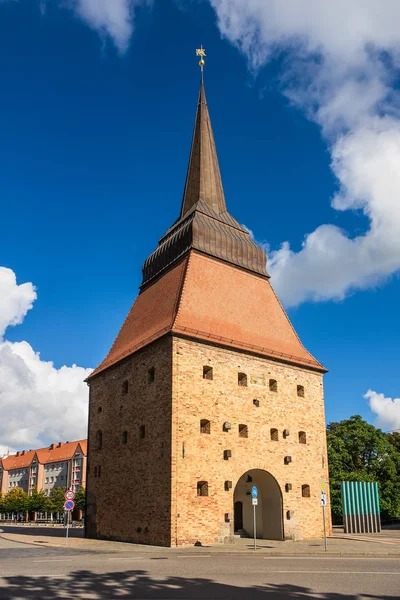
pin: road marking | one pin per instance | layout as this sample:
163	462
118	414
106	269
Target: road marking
194	556
341	572
50	560
128	558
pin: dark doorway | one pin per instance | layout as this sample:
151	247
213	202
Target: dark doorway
238	515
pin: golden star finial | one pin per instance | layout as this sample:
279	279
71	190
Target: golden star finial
202	53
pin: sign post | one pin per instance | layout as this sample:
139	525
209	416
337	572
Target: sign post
69	505
254	501
324	502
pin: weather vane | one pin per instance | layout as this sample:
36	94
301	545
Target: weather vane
202	53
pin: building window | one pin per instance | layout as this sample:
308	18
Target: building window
99	471
302	437
273	385
142	432
205	426
151	375
125	386
305	491
99	439
207	372
243	431
95	471
274	435
99	409
124	437
202	488
242	379
300	391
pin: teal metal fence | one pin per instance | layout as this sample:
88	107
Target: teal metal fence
360	504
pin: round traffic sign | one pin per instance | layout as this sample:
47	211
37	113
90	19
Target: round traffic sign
69	495
69	505
254	492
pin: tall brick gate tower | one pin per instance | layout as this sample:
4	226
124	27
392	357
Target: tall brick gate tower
206	391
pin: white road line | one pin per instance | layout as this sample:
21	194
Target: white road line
340	572
51	560
194	556
128	558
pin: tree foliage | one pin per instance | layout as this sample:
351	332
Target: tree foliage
16	500
358	451
56	499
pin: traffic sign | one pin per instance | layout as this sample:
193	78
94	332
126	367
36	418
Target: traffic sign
69	505
323	485
254	492
254	501
324	499
69	495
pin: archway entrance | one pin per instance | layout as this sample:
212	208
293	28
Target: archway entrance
269	515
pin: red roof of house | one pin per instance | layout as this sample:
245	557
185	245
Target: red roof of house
53	453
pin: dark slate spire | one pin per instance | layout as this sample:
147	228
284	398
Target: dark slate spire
204	224
203	180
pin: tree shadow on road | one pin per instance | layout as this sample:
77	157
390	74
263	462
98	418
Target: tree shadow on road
139	585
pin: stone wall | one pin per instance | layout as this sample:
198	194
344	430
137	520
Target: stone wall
200	457
129	498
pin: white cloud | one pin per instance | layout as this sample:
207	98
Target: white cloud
341	70
15	300
386	409
38	403
110	18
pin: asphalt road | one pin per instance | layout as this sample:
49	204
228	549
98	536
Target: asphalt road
28	572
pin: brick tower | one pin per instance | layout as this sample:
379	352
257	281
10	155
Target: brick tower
206	391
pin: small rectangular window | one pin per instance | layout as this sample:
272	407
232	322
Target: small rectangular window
202	488
124	437
207	372
205	426
151	375
242	379
243	431
142	432
274	435
273	385
300	391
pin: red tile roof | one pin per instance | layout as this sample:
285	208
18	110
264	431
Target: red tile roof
214	301
53	453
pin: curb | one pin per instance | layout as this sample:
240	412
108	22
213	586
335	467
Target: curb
224	553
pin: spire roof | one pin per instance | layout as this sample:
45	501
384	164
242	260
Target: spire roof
203	180
204	223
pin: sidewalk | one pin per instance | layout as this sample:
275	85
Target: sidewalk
382	545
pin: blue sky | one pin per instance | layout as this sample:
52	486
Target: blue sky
95	138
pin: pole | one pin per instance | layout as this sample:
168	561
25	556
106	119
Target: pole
323	514
66	538
255	529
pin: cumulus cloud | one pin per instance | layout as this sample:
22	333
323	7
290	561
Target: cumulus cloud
340	68
386	409
15	300
39	403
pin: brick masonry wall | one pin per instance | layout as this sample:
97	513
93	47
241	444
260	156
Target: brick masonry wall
133	491
222	399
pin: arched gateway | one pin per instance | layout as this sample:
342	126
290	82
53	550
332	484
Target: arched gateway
269	517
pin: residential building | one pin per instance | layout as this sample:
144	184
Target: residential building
59	465
207	390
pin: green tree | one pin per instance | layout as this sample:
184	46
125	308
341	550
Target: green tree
358	451
56	499
16	500
38	501
1	502
80	500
